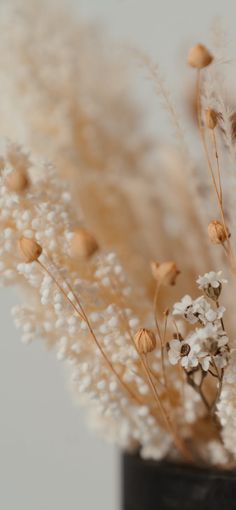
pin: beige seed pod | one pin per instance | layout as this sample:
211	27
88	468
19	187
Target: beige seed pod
83	244
145	341
29	249
199	57
17	181
211	118
217	233
165	273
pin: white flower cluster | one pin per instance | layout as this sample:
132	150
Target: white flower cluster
43	211
207	345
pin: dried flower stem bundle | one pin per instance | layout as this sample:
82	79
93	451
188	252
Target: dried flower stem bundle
151	372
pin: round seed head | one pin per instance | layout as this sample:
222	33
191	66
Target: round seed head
17	181
83	244
217	232
199	57
145	341
211	118
185	350
165	273
29	249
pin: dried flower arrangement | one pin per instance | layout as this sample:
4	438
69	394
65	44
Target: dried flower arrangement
153	372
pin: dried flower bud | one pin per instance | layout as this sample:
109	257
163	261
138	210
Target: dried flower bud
83	244
165	273
217	232
211	118
29	249
185	350
212	292
145	341
199	56
178	336
17	181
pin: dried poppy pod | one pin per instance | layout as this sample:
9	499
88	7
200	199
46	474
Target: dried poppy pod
29	249
211	118
165	273
217	232
17	181
199	57
145	341
83	244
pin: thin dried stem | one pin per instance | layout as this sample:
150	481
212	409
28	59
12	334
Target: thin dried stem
211	172
82	315
214	142
161	339
219	389
180	445
198	389
178	441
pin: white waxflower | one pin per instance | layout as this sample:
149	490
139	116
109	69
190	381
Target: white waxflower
202	347
183	352
211	284
214	345
204	360
198	310
185	308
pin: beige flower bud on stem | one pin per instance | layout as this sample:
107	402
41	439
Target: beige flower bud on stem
217	187
83	244
29	249
199	57
165	273
211	118
145	341
17	181
217	232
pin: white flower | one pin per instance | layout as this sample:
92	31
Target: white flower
183	352
198	310
204	360
212	278
211	284
186	309
201	347
221	360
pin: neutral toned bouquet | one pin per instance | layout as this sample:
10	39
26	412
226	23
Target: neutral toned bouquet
108	245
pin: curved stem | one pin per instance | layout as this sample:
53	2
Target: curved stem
82	315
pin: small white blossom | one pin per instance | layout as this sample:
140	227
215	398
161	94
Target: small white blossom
211	284
211	278
183	352
198	310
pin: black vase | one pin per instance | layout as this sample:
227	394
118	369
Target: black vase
150	485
